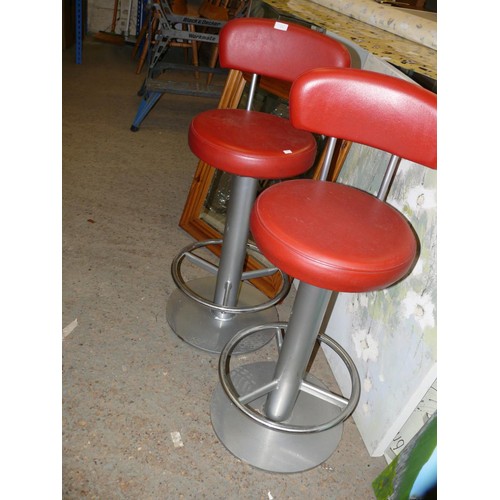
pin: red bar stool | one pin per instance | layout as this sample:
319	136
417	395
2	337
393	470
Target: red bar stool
333	238
206	312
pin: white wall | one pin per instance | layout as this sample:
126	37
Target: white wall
100	16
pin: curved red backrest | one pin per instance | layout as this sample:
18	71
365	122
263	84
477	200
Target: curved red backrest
277	49
370	108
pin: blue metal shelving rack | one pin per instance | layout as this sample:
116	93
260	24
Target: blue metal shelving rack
79	30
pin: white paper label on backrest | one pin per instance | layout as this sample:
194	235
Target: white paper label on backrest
280	26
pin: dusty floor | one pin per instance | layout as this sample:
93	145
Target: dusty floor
128	381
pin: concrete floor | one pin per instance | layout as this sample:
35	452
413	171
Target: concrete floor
128	381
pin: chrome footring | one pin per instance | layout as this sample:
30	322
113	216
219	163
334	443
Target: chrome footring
183	286
242	401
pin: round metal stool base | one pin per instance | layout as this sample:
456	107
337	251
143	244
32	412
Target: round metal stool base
198	325
270	449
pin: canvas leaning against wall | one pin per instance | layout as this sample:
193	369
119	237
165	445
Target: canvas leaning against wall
391	334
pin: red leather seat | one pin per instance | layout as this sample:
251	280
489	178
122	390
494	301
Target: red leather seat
334	236
251	143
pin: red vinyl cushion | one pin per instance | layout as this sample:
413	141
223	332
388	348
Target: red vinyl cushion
251	144
333	236
255	144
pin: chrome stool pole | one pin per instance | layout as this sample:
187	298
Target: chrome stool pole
207	312
275	416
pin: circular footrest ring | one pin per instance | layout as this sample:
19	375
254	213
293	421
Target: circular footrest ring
232	394
183	286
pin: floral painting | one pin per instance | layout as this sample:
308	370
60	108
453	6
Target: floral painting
391	334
